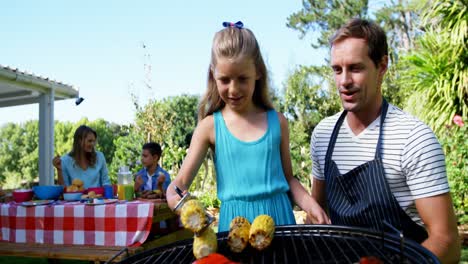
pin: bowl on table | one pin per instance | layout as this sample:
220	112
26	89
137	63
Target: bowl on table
22	195
72	196
48	192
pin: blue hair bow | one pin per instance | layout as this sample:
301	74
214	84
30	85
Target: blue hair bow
238	24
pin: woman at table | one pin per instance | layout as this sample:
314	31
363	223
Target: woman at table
83	162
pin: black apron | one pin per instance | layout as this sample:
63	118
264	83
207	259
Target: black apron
362	197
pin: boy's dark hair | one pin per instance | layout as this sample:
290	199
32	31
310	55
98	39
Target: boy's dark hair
153	147
368	30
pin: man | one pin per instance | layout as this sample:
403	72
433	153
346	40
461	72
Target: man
374	165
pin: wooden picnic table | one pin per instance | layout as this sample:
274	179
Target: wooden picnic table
96	253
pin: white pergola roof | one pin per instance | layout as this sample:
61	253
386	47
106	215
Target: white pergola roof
20	88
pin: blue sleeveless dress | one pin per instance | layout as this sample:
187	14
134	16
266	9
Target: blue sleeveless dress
250	177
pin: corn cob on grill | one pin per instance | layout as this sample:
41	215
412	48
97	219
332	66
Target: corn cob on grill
205	244
193	216
261	232
238	237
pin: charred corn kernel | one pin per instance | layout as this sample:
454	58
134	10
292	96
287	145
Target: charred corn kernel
205	244
261	232
193	215
238	237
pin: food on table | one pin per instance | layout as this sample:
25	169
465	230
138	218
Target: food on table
261	232
214	258
193	216
148	194
77	182
91	195
76	186
238	237
205	243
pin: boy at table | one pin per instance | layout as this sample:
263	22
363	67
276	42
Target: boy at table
152	176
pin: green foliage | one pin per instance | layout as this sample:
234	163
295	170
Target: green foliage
308	98
325	17
127	151
169	122
204	184
455	146
437	71
19	155
63	134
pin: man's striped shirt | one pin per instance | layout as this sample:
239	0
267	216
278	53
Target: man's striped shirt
412	158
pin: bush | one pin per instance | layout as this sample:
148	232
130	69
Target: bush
453	140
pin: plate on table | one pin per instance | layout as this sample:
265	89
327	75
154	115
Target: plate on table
100	201
37	202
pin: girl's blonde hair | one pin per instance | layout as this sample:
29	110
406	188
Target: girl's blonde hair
233	43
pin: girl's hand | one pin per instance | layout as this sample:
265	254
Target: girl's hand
316	215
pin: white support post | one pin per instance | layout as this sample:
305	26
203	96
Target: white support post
46	138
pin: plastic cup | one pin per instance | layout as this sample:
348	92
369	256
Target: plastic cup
108	191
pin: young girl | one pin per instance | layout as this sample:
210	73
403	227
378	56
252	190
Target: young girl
249	138
83	162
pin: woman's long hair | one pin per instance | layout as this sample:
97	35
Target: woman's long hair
78	139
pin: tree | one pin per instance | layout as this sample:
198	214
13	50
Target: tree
437	72
169	122
325	17
127	151
18	154
309	98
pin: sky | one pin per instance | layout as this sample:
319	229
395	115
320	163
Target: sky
110	49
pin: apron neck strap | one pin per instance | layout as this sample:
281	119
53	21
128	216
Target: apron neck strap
383	114
336	129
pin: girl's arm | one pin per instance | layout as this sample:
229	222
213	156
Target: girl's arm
300	195
202	139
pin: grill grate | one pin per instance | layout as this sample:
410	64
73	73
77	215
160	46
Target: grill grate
303	244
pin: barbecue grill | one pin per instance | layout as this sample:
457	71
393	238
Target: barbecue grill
304	244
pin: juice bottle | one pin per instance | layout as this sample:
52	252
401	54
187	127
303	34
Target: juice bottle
121	192
129	192
125	184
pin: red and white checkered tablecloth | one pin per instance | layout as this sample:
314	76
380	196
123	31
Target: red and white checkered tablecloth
118	224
